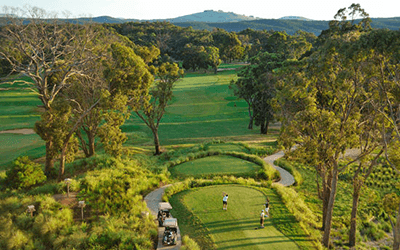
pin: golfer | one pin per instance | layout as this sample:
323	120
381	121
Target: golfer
225	202
262	219
267	206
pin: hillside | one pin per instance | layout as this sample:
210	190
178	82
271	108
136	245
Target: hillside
211	16
288	25
207	16
210	19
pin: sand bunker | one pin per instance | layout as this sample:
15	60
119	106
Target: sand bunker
24	131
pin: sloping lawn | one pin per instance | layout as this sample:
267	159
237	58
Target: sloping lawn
203	108
18	110
231	229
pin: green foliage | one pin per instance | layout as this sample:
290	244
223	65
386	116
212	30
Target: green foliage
296	205
152	109
189	244
371	230
113	192
24	174
110	132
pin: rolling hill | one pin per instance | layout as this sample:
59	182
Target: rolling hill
210	19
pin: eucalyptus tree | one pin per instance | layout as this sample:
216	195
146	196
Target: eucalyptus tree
151	110
333	99
256	85
40	47
382	46
129	78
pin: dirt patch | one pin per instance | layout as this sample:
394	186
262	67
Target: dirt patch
225	69
24	131
66	201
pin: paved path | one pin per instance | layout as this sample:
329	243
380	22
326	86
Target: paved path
287	179
152	200
155	197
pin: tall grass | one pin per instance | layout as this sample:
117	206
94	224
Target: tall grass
112	190
308	221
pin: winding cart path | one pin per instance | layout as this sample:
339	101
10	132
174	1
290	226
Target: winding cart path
287	178
155	197
152	200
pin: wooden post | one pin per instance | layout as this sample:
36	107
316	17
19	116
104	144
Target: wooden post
67	181
81	204
31	209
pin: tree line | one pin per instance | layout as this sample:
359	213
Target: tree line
89	80
339	93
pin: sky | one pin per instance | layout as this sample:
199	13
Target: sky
162	9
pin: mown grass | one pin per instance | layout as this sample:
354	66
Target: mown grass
203	108
18	110
14	145
201	209
215	165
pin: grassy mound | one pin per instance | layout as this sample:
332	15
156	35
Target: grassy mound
215	165
200	215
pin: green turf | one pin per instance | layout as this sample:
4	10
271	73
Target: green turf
215	165
231	229
203	108
228	147
14	145
18	109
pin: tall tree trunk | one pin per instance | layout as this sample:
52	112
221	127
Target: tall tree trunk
396	232
215	70
250	115
84	146
91	145
329	212
264	128
156	141
357	184
251	122
49	165
62	163
326	192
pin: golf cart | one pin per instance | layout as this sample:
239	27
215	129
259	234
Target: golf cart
170	232
163	212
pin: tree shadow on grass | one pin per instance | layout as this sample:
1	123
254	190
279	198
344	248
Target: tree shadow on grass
263	243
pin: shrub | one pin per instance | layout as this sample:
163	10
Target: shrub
189	244
24	173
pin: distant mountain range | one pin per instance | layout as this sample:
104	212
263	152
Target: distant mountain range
210	19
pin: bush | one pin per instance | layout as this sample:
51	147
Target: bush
24	174
189	244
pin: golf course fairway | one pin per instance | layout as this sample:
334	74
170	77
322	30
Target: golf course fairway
235	228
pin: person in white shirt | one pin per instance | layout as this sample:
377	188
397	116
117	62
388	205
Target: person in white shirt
267	206
225	202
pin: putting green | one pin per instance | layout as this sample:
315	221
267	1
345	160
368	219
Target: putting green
236	227
215	165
